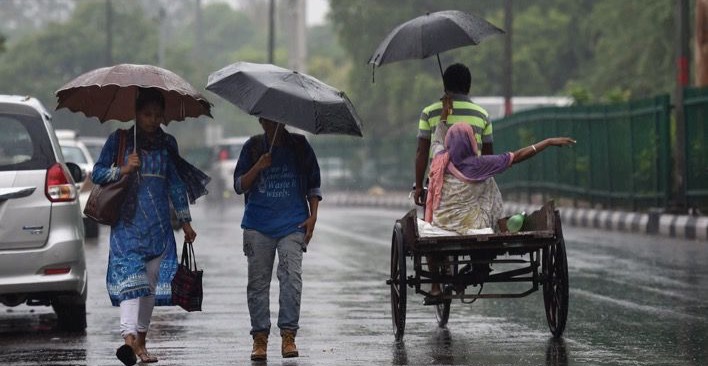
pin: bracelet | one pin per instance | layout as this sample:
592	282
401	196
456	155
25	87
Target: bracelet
534	148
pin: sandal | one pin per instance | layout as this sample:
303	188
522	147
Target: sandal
126	355
145	357
433	300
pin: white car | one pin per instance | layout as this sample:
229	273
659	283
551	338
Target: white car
94	145
42	260
226	153
335	173
75	150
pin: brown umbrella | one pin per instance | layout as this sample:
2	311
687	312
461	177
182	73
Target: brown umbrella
109	93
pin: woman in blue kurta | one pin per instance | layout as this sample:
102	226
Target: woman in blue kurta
142	258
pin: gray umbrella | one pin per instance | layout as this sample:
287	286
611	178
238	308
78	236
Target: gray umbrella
286	96
431	34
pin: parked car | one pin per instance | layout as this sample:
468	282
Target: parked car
42	258
75	151
334	173
94	145
226	152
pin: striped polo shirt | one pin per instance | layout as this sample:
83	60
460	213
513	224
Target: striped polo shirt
463	110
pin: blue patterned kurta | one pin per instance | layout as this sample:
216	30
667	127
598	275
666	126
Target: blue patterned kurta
149	234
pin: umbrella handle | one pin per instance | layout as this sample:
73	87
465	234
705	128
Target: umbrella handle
275	135
135	147
439	64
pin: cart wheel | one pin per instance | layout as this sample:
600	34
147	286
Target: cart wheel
555	286
442	311
398	282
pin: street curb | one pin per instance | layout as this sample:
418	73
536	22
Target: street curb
653	222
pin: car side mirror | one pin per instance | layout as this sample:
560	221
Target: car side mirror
77	174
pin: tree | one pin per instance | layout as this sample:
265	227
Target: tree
21	17
55	49
582	48
636	58
41	62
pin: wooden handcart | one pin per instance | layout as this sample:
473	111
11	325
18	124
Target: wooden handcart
535	255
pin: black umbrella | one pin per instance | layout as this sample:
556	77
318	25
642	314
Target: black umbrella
431	34
286	96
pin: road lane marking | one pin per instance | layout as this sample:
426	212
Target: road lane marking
362	238
634	306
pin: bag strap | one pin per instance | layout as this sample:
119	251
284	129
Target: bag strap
121	147
188	258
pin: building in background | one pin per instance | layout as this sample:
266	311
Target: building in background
495	105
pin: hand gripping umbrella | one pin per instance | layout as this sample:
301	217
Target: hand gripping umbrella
110	93
431	34
286	96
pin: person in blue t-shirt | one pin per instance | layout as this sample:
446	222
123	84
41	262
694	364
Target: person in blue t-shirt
280	178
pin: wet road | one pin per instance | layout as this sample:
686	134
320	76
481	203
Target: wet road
634	300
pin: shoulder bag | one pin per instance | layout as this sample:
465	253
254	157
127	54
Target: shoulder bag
105	201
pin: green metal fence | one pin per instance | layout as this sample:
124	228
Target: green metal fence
696	115
621	159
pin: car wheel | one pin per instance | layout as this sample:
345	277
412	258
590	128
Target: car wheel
71	317
71	311
90	228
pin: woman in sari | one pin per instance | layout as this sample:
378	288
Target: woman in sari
142	258
462	194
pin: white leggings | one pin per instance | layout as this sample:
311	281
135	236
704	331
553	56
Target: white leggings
135	313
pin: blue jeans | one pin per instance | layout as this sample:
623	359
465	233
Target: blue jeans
260	250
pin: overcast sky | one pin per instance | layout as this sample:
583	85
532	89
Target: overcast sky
316	9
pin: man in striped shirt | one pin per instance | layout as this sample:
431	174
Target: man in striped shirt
458	108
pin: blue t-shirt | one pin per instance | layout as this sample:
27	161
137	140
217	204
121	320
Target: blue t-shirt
276	205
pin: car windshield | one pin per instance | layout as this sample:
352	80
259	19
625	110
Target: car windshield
73	154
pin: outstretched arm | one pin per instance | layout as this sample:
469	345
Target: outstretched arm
529	151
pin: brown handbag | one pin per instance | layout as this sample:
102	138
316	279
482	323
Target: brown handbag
105	201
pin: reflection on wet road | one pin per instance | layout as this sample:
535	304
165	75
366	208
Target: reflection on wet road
635	300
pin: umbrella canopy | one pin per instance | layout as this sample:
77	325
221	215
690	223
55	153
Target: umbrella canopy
286	96
109	93
432	34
